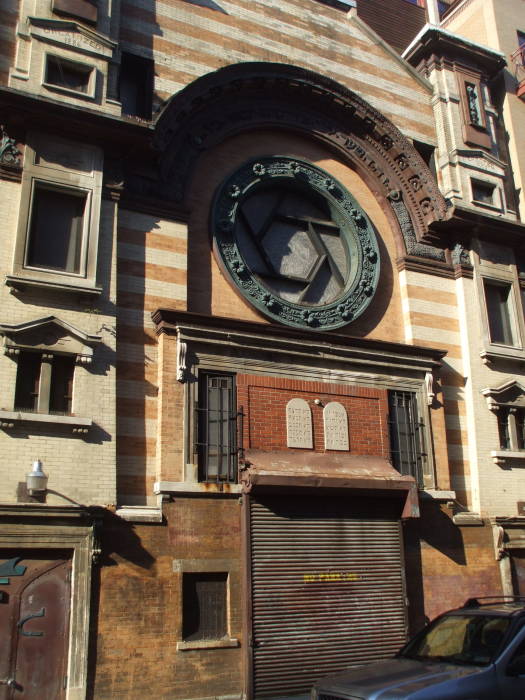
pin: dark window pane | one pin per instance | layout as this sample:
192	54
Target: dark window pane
503	429
204	606
61	384
483	192
520	429
67	74
85	10
405	438
27	379
136	85
498	310
55	237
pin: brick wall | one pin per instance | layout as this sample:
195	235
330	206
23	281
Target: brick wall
264	401
138	622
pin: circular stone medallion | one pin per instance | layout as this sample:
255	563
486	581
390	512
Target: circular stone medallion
295	243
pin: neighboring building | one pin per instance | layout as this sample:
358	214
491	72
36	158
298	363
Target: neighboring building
494	391
251	258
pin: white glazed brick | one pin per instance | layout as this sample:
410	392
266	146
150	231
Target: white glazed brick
151	256
83	470
145	222
150	287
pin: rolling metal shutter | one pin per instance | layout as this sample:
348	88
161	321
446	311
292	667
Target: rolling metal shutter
327	590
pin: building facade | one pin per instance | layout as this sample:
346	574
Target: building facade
263	325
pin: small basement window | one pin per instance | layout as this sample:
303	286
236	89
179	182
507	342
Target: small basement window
69	75
204	600
56	230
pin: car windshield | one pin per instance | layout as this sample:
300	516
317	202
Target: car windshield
459	639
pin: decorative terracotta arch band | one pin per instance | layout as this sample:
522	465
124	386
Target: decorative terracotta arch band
246	96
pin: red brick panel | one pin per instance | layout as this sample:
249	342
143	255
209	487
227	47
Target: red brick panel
264	400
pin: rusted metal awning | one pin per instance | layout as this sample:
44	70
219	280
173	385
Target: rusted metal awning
299	470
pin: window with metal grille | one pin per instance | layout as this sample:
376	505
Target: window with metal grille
406	434
204	597
217	428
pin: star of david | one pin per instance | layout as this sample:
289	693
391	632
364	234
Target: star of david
313	228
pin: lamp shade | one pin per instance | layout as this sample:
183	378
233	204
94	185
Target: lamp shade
36	480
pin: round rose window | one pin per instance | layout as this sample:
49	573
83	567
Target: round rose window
295	243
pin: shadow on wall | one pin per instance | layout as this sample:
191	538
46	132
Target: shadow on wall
435	529
119	541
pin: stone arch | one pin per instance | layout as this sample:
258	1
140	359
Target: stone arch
246	96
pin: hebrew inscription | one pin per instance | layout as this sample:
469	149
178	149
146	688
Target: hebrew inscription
299	424
335	427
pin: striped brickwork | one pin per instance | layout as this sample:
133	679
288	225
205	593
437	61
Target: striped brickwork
8	20
432	319
151	267
189	40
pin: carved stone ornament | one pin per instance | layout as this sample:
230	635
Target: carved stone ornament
335	422
510	394
9	153
299	424
247	96
182	368
295	243
49	335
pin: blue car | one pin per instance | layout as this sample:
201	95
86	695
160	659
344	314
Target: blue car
476	652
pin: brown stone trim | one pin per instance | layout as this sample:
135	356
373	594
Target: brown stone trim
12	174
425	265
463	271
463	223
26	110
436	44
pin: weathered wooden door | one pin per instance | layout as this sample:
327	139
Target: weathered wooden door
34	619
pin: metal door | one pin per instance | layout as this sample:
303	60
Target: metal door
34	619
327	586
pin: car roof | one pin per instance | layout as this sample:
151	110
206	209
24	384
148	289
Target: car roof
492	605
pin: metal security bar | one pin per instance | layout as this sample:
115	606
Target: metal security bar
219	424
406	434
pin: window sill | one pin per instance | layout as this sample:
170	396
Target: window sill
435	495
160	487
69	92
228	643
495	353
11	419
19	283
501	457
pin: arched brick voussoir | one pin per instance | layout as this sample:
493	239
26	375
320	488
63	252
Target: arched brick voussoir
250	96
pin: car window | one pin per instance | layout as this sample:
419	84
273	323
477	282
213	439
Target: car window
460	639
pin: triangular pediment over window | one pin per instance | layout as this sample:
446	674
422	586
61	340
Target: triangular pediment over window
49	334
511	393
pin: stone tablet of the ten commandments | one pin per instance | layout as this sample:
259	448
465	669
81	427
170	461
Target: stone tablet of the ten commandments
299	424
335	427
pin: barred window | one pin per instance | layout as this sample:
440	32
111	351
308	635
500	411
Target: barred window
406	434
217	428
204	598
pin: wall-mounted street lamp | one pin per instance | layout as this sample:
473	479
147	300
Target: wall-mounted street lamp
36	480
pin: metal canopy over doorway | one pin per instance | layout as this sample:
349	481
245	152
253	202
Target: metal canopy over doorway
327	588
